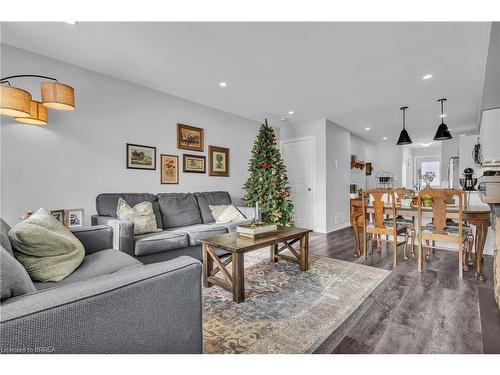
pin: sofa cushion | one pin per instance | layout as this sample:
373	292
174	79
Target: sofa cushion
211	198
107	203
45	247
4	236
14	280
198	232
141	214
178	209
158	242
94	265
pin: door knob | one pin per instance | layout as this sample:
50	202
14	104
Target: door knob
308	189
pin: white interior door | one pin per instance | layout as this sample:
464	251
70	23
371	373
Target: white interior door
297	155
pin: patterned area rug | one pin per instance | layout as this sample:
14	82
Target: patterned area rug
285	310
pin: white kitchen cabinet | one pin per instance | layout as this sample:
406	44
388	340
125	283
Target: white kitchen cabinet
490	136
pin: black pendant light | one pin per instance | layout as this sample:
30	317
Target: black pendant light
442	133
404	138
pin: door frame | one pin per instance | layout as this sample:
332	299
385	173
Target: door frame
312	139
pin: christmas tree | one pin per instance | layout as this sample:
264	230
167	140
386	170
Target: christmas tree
268	183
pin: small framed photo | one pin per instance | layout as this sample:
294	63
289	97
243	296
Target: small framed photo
61	216
141	157
169	169
218	161
193	163
75	217
190	138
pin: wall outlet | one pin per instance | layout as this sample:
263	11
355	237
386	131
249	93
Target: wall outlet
340	218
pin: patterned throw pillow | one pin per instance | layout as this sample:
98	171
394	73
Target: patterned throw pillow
226	213
141	214
46	248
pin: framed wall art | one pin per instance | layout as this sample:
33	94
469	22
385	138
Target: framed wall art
75	217
190	138
193	163
141	157
60	215
169	169
218	161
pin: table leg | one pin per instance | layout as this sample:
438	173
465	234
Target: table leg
238	277
304	253
208	265
355	228
481	233
274	250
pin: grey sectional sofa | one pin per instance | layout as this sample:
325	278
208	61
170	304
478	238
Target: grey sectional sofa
110	304
182	218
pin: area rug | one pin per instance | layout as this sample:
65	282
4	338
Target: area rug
285	310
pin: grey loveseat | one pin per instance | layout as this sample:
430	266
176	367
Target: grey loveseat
182	218
110	304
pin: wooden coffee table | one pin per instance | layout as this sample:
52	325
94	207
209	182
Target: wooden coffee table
237	246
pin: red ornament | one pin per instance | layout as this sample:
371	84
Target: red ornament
265	165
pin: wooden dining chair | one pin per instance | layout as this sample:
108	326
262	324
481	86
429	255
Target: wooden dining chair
442	228
379	225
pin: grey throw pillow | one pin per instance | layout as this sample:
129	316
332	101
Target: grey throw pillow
141	214
46	248
14	281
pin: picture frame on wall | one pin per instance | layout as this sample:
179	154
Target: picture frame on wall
75	218
218	161
190	138
169	169
60	215
141	157
369	169
194	163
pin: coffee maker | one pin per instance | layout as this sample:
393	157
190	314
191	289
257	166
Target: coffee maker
468	182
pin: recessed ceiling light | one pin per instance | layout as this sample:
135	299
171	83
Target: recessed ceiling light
71	22
284	119
427	76
291	112
443	115
222	84
367	128
384	138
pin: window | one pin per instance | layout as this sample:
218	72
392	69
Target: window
428	164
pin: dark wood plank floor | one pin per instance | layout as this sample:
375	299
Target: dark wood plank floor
412	312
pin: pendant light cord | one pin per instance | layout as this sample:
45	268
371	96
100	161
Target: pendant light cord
6	79
442	109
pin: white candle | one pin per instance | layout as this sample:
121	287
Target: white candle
256	210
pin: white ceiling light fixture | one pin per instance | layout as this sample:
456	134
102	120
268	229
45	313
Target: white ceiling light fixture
427	76
384	138
283	119
367	128
222	84
71	22
291	112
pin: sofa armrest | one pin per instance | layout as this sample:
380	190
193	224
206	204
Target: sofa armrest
249	212
123	232
94	238
156	308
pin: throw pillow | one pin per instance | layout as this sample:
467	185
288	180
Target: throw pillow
227	214
141	214
46	248
217	210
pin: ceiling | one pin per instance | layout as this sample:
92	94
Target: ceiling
355	74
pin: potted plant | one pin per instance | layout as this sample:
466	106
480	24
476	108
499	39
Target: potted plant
406	200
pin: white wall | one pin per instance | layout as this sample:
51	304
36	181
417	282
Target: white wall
317	130
385	157
82	153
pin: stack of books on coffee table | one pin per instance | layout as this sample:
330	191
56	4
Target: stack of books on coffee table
255	231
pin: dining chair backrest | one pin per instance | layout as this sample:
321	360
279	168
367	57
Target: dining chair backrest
377	198
440	197
401	192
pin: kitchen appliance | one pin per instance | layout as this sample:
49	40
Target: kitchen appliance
452	174
489	186
468	182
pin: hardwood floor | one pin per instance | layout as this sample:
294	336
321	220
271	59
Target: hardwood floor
412	312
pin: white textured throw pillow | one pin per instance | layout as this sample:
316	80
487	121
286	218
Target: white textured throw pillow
141	214
226	213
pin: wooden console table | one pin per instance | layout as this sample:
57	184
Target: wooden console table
236	246
479	216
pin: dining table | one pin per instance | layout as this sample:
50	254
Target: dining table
477	215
